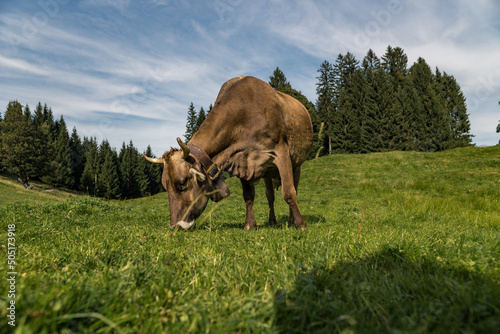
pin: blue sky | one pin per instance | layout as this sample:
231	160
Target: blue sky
127	70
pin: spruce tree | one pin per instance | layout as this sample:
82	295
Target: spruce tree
109	184
278	80
191	123
431	125
371	61
48	118
395	62
200	119
341	130
343	70
129	158
347	130
21	148
38	117
154	173
60	172
325	90
408	102
43	131
90	176
77	153
149	176
455	109
371	137
143	178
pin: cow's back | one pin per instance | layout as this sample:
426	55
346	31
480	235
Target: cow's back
248	120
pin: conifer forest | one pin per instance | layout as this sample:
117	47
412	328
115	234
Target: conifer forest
376	104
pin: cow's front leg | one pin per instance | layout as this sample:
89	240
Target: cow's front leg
249	196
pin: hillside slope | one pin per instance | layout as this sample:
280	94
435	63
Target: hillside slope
13	191
397	242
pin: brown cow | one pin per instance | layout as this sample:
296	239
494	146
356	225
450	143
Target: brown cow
252	132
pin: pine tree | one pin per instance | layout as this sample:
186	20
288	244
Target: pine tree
191	123
395	62
43	131
371	61
38	117
347	130
200	119
149	176
455	109
143	178
392	119
60	172
129	158
344	126
325	89
77	153
432	125
90	176
371	137
48	118
343	70
278	80
21	150
408	102
109	178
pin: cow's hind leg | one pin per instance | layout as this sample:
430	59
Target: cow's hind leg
249	196
288	187
270	199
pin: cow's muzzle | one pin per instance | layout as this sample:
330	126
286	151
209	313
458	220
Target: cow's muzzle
183	224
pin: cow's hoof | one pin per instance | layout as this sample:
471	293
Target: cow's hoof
301	227
249	226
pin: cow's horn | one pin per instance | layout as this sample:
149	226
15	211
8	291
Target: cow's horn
154	160
184	148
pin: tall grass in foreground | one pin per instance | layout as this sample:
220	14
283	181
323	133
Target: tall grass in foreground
397	242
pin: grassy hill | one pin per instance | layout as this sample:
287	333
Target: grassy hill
397	242
13	191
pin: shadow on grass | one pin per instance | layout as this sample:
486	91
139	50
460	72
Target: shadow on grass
389	292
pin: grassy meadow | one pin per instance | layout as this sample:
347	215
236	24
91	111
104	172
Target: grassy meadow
399	242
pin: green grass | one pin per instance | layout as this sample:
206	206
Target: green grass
397	242
12	191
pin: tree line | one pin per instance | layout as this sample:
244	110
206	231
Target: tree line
378	105
35	146
382	105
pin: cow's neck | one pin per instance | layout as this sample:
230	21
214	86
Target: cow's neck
214	143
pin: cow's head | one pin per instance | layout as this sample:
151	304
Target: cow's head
188	186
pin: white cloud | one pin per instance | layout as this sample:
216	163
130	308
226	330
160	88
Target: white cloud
22	66
151	60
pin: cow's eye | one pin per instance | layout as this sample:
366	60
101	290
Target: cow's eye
182	185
